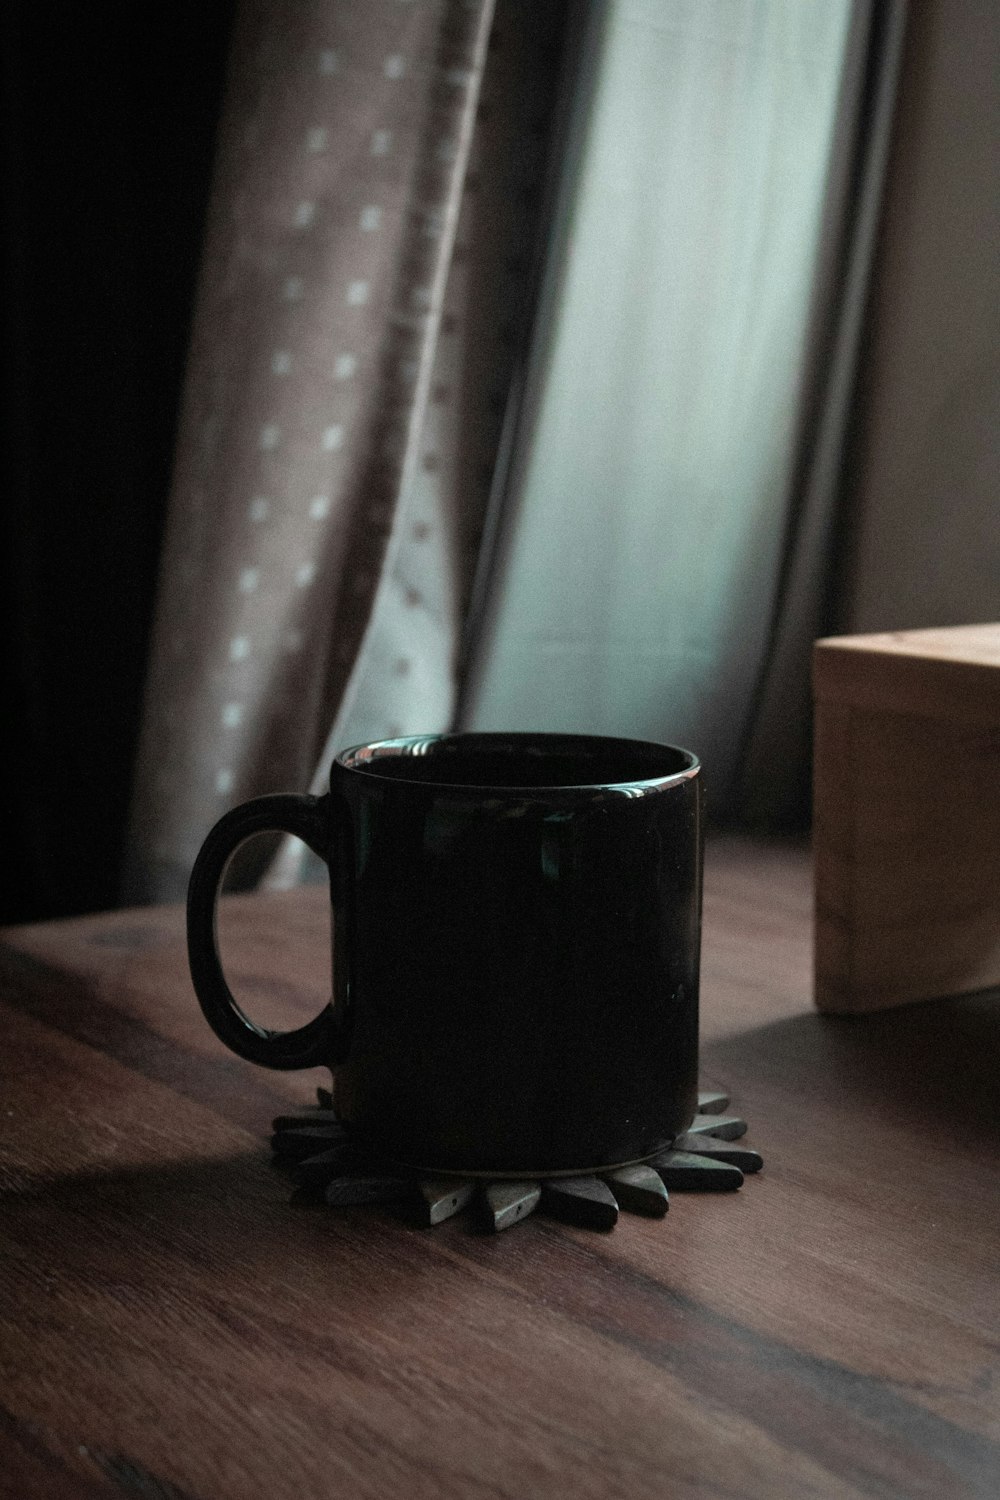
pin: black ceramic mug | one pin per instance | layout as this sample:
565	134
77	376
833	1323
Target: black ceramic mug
517	924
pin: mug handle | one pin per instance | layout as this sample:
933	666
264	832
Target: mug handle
320	1043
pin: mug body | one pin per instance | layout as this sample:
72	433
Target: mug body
516	949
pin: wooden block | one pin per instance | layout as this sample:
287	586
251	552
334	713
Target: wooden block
906	816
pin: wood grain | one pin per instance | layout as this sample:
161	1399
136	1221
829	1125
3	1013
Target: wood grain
171	1327
906	816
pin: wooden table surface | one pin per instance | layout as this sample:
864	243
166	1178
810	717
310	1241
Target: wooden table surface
171	1328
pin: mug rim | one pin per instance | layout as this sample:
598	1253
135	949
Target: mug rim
350	760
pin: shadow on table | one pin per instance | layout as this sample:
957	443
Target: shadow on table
225	1222
934	1067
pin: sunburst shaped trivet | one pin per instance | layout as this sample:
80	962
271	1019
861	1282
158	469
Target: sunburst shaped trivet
327	1164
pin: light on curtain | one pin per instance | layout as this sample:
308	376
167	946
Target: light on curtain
362	290
642	538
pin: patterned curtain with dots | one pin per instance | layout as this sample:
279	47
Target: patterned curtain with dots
363	299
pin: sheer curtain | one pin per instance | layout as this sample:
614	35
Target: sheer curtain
664	535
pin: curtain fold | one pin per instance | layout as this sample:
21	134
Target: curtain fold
663	506
658	454
362	287
407	673
776	756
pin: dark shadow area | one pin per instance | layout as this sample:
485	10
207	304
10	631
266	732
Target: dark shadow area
143	1188
230	1226
214	1079
933	1068
106	142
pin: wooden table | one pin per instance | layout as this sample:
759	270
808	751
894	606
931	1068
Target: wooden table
172	1329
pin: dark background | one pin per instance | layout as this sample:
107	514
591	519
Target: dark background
108	128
